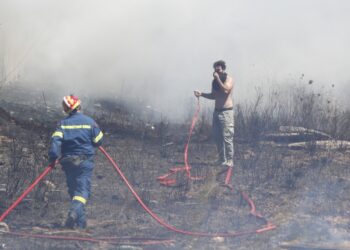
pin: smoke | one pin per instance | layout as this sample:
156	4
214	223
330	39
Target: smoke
158	52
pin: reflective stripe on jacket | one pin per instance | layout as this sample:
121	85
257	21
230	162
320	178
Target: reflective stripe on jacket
77	134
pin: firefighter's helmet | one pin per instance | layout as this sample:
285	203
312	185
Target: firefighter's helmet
70	103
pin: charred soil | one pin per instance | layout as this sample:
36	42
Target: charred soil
306	193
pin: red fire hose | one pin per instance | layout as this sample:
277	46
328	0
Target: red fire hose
26	192
268	226
165	179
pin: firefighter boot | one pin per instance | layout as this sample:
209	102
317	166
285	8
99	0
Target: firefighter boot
71	219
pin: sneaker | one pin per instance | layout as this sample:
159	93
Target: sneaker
72	218
228	164
219	163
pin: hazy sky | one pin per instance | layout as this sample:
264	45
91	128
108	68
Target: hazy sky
163	49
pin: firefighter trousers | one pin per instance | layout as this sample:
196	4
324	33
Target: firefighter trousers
78	171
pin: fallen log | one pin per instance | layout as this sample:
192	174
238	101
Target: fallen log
292	129
326	145
309	246
296	134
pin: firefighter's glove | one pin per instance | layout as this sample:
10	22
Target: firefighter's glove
52	162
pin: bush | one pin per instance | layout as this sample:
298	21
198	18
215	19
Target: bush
292	105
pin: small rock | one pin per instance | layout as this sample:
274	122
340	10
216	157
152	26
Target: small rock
49	184
219	239
126	247
4	227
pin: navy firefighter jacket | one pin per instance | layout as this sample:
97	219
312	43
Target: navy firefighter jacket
77	134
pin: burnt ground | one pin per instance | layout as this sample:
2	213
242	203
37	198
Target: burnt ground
305	193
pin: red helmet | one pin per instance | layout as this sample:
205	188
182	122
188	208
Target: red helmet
71	102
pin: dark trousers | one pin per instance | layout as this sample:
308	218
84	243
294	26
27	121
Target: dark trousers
78	170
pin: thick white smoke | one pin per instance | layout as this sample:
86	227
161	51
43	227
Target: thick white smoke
159	51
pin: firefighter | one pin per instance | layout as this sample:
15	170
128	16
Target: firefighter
74	142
